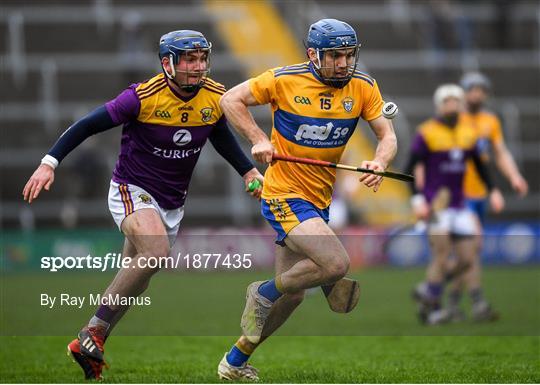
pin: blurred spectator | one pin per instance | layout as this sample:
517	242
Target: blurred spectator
27	219
339	212
502	23
132	46
89	168
449	28
69	214
89	173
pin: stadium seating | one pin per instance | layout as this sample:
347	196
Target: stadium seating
72	61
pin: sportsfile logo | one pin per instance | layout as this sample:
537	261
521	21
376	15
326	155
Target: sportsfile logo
321	133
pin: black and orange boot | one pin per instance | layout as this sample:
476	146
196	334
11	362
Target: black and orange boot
87	351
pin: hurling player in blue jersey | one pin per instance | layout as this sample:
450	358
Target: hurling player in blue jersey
166	122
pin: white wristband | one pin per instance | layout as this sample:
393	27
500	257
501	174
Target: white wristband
50	161
417	200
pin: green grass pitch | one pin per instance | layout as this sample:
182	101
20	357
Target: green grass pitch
194	319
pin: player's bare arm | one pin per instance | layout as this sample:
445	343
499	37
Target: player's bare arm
235	104
507	165
384	154
42	178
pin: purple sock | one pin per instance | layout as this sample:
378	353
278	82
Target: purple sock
434	290
105	313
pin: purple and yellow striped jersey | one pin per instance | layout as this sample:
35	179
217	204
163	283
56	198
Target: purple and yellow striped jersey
444	151
312	120
163	135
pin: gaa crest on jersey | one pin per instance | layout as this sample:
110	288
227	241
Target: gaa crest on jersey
277	206
145	198
206	114
348	104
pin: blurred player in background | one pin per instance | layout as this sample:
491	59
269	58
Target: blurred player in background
488	128
316	106
166	122
443	145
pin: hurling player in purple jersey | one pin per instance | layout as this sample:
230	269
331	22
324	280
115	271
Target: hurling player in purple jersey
442	146
166	122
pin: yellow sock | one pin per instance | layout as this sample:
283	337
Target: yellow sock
245	346
279	285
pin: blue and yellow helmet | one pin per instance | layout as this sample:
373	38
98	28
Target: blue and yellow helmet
326	36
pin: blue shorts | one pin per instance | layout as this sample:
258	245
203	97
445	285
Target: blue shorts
285	214
478	207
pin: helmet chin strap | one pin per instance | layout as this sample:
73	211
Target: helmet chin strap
171	75
318	65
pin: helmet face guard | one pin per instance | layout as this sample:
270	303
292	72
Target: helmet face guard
180	44
200	72
335	81
328	37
